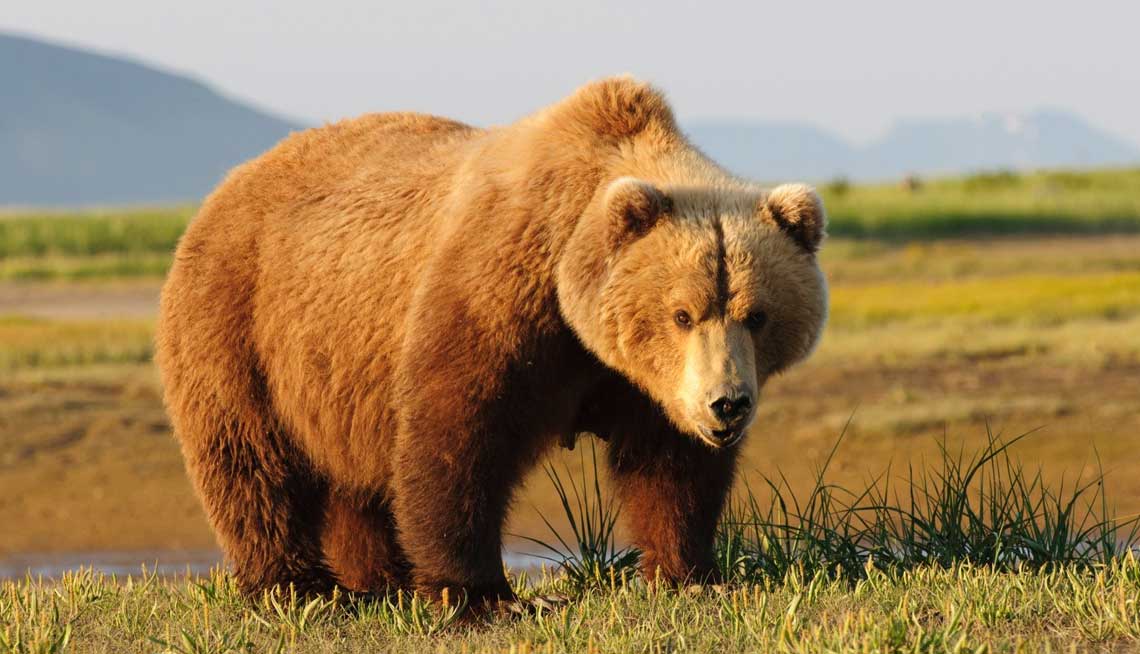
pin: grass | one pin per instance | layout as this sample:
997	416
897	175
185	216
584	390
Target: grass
40	343
83	268
92	233
1017	306
959	609
983	510
1038	298
1009	204
594	559
979	556
139	243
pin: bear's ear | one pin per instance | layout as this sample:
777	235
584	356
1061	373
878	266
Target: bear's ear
797	210
634	206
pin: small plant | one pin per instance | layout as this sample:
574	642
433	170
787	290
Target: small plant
594	560
411	614
32	623
984	510
233	641
292	615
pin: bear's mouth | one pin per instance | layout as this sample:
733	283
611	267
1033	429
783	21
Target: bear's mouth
720	438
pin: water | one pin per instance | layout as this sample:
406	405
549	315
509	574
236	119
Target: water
51	565
164	563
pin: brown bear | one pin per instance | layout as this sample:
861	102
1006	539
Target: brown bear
371	332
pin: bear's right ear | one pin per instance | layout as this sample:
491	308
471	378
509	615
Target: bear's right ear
634	206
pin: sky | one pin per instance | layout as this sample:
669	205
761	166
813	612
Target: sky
851	67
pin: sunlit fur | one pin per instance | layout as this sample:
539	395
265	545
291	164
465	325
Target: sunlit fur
373	331
717	257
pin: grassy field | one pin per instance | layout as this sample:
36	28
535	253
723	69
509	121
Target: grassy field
967	307
989	204
980	557
976	554
962	609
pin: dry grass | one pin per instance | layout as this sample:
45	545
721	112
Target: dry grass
41	343
1039	298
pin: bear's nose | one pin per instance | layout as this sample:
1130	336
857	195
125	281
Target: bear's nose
731	409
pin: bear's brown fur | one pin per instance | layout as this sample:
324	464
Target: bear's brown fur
371	332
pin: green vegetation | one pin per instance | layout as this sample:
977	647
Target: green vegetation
103	244
95	233
998	204
959	609
979	557
82	268
138	243
985	510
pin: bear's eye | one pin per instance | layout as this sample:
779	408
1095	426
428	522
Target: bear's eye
683	319
756	319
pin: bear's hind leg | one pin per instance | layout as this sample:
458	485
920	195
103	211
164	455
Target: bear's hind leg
263	501
359	542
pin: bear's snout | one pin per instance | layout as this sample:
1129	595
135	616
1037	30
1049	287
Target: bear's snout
732	409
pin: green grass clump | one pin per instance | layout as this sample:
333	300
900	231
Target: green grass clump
92	234
985	510
591	557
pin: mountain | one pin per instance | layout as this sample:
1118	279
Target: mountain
80	128
1041	139
773	151
83	128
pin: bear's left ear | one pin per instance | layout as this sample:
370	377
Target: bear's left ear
797	210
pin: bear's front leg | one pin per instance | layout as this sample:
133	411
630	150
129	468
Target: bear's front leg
452	490
463	445
672	491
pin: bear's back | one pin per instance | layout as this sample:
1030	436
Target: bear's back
294	249
317	163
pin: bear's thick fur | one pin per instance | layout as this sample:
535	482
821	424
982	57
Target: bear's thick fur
371	332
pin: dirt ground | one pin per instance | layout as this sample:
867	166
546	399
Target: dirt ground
89	463
117	300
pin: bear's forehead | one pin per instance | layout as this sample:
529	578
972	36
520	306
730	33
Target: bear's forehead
714	259
705	204
712	234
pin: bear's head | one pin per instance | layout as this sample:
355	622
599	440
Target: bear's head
697	295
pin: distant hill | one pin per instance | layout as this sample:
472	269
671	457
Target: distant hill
1042	139
83	128
80	128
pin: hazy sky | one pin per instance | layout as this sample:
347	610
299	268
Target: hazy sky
850	66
